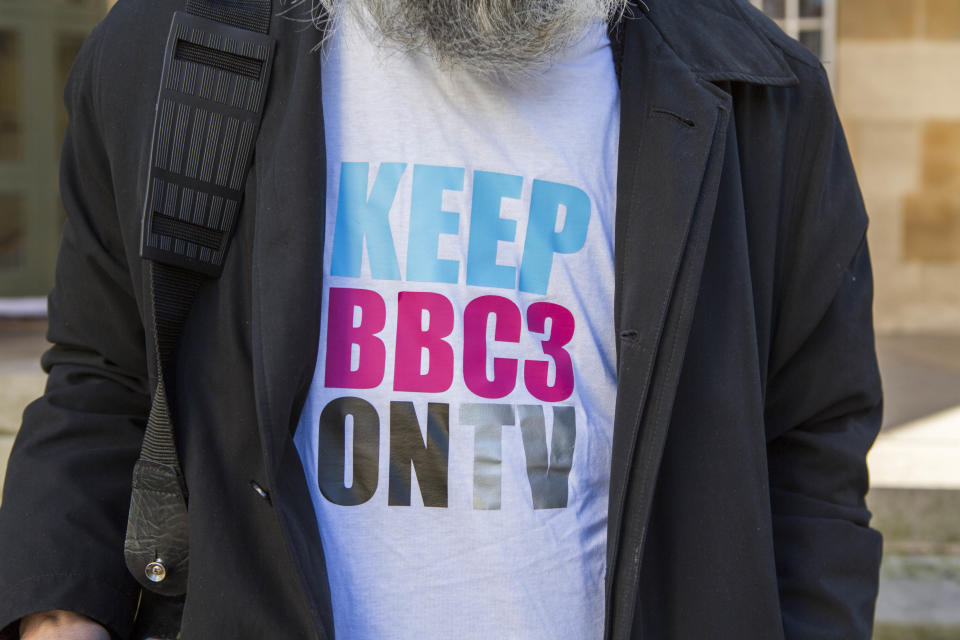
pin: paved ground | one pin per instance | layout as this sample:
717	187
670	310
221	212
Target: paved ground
921	376
21	379
915	471
920	443
927	590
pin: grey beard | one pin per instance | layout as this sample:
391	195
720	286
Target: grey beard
495	39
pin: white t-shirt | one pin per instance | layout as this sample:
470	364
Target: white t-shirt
457	433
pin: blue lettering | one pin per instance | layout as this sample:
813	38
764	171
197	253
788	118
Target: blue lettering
487	228
543	240
428	221
359	218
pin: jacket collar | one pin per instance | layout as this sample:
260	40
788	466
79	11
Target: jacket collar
720	40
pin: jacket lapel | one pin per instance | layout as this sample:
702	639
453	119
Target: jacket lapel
290	172
287	269
673	130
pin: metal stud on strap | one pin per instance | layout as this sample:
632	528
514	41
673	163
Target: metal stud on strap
156	571
207	115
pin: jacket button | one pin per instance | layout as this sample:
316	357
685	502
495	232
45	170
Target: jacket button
156	571
260	491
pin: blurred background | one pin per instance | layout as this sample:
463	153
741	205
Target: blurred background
895	70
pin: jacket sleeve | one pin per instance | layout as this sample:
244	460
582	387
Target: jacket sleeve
823	397
66	492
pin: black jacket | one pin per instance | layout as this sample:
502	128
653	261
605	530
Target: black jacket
743	310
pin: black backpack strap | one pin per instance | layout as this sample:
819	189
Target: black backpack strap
215	75
252	15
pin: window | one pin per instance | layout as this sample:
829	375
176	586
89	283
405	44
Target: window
11	231
38	41
11	121
812	22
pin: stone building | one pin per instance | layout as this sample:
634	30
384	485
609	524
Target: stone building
894	65
898	91
38	41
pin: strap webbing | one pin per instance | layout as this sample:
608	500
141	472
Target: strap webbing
173	290
208	112
252	15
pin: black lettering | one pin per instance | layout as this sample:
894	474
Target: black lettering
548	479
429	460
332	451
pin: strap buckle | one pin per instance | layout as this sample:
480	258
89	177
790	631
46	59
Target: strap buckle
208	111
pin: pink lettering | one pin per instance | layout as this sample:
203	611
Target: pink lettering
561	332
507	329
342	335
413	340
